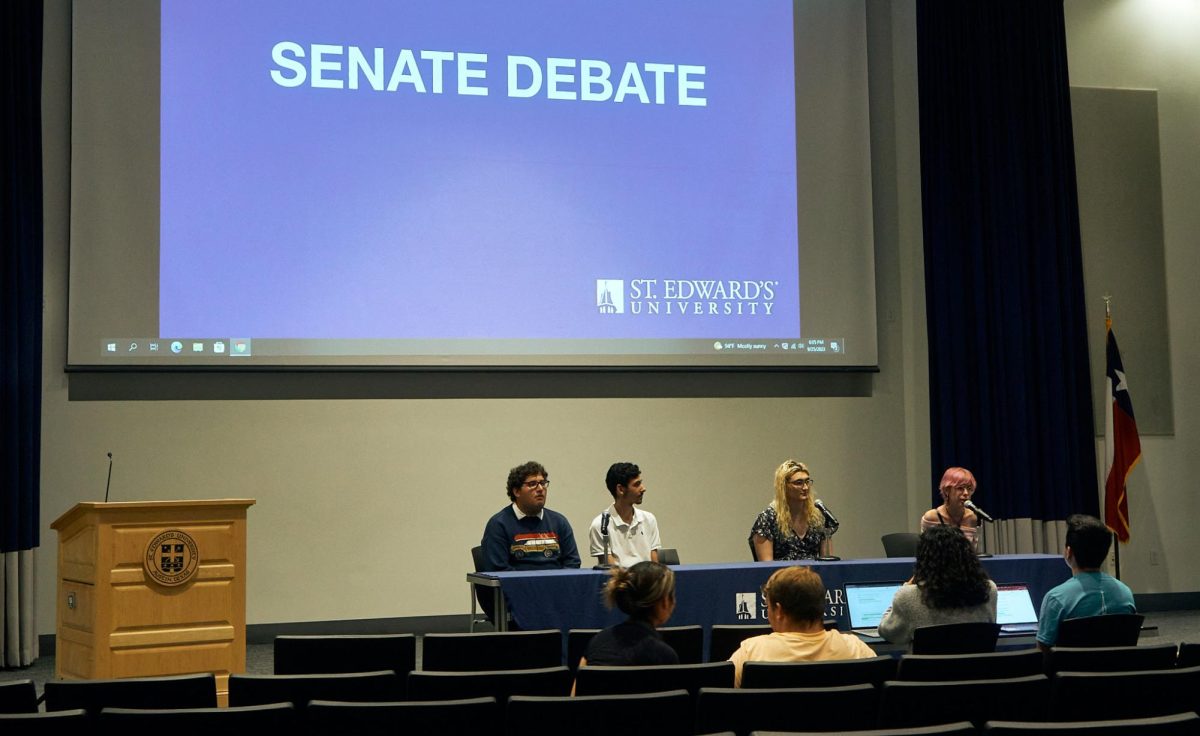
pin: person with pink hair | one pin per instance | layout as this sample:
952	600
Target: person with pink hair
957	487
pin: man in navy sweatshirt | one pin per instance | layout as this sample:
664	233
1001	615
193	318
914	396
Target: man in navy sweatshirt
526	535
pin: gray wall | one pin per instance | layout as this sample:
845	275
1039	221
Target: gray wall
1144	44
366	507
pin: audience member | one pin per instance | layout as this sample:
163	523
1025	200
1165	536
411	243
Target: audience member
795	601
948	586
1089	592
646	593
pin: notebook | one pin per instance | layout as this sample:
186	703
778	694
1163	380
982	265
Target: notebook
866	603
1014	609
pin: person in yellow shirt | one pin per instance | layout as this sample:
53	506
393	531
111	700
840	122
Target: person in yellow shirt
795	600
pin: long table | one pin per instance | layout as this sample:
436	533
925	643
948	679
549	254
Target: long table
724	593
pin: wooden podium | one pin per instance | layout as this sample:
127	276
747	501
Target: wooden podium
153	588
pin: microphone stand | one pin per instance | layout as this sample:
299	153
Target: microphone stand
604	536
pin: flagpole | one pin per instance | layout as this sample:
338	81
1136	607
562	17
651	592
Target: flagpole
1116	543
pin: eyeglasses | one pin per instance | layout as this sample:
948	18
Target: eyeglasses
536	483
804	482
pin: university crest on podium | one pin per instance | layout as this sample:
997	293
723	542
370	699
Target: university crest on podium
172	558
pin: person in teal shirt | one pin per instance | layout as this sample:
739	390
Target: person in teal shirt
1089	592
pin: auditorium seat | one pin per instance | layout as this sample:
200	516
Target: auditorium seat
904	703
900	544
471	715
1189	655
687	641
75	720
181	691
962	728
499	684
818	674
724	639
277	717
577	643
1111	630
986	666
299	689
18	696
494	650
591	680
1111	659
818	708
1181	723
315	655
971	637
647	714
1079	696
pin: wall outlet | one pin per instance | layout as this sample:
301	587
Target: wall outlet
1153	557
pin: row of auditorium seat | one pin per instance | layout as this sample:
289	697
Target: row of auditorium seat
536	649
912	705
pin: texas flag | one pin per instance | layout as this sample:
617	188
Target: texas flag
1122	448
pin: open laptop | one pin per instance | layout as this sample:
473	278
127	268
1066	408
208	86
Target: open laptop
1014	609
866	603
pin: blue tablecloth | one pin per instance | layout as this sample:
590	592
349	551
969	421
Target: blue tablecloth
728	593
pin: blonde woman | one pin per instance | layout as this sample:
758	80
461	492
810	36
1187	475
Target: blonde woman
792	527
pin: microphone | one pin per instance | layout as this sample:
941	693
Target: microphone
978	511
604	515
108	483
827	514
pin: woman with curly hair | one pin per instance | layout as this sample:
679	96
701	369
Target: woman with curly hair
948	586
792	527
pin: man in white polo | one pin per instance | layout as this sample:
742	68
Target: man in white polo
632	533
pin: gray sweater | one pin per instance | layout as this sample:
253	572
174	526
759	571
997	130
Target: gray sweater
909	612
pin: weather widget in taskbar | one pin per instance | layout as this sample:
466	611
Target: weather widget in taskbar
168	348
807	345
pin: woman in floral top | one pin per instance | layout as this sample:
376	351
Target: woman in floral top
792	527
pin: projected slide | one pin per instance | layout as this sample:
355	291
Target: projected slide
476	170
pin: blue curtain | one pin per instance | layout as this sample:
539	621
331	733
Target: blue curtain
1010	387
20	320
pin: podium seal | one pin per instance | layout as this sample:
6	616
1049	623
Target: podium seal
172	558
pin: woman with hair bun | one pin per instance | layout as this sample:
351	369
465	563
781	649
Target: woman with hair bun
646	593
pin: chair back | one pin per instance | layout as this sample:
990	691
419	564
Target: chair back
318	655
577	644
18	696
987	666
181	691
908	703
969	637
482	595
498	684
299	689
591	680
1110	659
1079	696
724	639
649	714
818	674
1189	655
471	715
900	544
49	722
836	709
687	641
280	717
668	556
1109	630
1180	723
493	650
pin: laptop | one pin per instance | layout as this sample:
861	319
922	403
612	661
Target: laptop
1014	609
866	604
